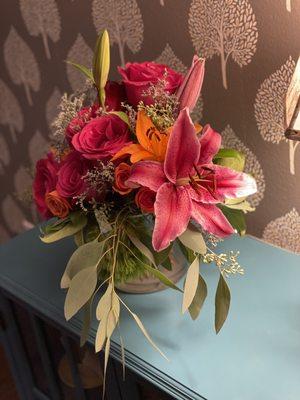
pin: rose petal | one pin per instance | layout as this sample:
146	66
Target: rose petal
211	218
183	148
147	173
210	142
172	210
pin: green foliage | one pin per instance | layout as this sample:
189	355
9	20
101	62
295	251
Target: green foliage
199	298
230	158
222	303
67	227
236	219
86	71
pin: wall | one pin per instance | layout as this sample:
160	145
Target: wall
251	47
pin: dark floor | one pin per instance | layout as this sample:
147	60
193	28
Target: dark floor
7	388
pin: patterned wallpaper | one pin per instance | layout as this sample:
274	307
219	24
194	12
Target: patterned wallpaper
251	48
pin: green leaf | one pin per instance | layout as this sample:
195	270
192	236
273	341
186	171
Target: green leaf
239	204
123	116
74	224
193	239
101	64
86	256
222	303
230	158
86	71
188	253
54	226
79	238
81	289
199	298
190	285
159	275
166	264
236	219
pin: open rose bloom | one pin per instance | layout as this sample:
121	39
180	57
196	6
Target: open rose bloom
134	179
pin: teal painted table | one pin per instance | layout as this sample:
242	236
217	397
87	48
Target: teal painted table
255	356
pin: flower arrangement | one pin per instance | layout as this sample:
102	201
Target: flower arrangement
133	179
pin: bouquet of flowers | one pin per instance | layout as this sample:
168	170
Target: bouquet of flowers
134	179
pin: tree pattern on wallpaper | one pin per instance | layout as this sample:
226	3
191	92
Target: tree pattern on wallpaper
21	64
252	165
226	28
10	111
42	18
270	105
123	20
169	58
80	53
37	37
284	231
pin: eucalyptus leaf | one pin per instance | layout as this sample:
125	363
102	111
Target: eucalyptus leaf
190	286
101	334
86	256
193	239
159	275
81	289
236	218
230	158
105	303
139	245
86	71
101	64
199	298
222	303
79	238
86	322
70	228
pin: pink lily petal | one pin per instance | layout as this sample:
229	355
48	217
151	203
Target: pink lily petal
183	148
147	173
231	184
203	196
189	91
210	141
212	220
172	210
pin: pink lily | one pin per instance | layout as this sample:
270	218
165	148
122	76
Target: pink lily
189	91
188	185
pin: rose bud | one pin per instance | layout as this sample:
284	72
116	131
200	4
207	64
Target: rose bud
145	199
137	78
102	138
57	205
189	91
122	173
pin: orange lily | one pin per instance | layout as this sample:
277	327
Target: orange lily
152	143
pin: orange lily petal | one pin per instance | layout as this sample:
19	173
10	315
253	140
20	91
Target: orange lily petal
130	149
144	125
141	155
198	128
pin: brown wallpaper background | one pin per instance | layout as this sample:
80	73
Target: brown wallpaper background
251	48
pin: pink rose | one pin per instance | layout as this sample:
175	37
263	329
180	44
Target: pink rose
44	182
85	115
137	78
70	182
115	95
102	138
145	199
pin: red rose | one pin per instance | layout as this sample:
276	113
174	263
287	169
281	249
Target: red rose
145	199
70	182
102	138
44	182
115	95
82	118
122	173
137	78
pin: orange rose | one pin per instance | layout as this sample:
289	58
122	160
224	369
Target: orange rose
57	205
122	173
145	199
